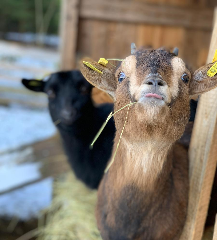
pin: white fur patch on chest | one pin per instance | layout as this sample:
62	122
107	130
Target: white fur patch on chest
145	158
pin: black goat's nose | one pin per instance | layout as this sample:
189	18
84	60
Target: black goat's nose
67	114
155	82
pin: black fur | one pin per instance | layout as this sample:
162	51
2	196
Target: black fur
70	102
193	106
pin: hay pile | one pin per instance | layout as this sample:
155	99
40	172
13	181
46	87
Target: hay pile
71	214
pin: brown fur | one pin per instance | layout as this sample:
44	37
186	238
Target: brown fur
144	195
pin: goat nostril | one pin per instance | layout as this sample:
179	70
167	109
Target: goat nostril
155	82
68	114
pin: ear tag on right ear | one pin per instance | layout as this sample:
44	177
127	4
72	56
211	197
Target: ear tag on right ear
215	56
92	67
212	71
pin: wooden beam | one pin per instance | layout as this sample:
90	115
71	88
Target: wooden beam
215	230
142	12
69	31
203	157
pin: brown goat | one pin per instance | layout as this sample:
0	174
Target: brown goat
144	194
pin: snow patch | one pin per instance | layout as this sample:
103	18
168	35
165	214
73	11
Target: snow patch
13	176
26	203
16	157
21	127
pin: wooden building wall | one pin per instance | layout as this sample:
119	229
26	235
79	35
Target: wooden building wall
106	28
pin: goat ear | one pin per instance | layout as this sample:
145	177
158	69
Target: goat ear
34	85
103	79
201	82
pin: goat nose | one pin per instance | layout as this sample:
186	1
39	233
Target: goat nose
68	114
155	82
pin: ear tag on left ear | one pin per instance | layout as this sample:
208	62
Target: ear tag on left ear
212	71
35	83
215	56
103	61
92	67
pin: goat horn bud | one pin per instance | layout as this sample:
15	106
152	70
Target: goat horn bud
133	48
176	51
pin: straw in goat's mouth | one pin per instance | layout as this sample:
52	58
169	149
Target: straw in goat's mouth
103	126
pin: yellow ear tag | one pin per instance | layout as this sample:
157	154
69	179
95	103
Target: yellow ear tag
103	62
212	71
92	67
35	83
215	56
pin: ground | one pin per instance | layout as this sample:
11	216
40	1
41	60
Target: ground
30	152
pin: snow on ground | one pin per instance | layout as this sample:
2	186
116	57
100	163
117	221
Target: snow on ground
24	61
27	202
14	176
20	127
16	157
23	126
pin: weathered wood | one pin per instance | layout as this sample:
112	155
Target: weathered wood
141	12
215	230
69	31
195	47
187	3
203	157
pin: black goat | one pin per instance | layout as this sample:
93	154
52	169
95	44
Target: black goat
70	104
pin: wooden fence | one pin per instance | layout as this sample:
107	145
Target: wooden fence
102	28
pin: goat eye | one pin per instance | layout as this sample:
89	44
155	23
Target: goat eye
185	78
121	77
51	94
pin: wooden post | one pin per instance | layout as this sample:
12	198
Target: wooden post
203	157
68	32
215	230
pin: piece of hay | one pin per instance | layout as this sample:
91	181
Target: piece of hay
71	215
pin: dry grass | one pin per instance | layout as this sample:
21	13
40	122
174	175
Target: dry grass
71	215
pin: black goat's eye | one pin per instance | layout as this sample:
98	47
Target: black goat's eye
121	77
185	78
51	93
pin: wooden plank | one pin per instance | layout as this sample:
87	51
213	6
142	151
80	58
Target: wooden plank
85	37
111	40
215	230
203	157
139	12
98	47
195	47
69	31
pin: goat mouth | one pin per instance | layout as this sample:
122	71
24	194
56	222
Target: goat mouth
153	95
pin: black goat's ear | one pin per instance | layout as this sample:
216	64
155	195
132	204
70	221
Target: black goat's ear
34	84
